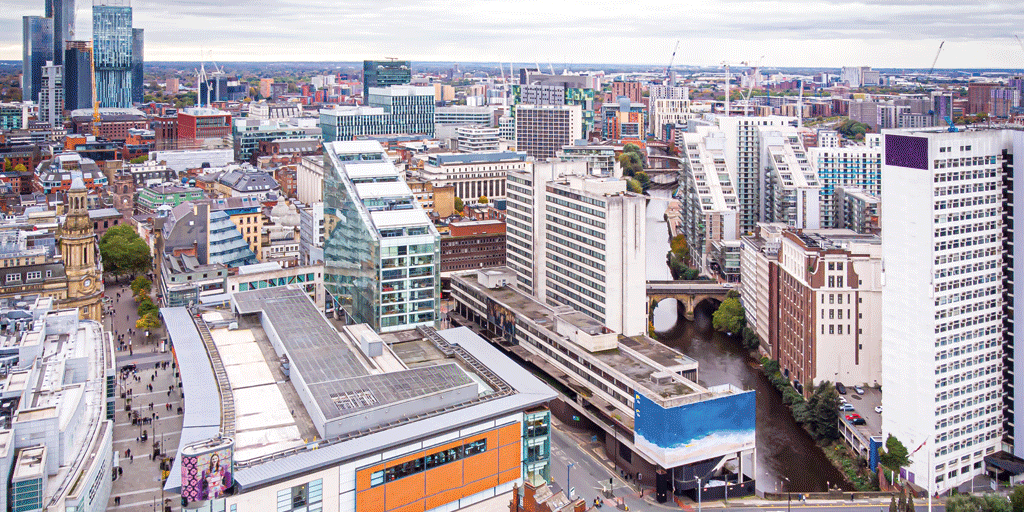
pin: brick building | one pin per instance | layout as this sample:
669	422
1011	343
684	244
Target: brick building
472	245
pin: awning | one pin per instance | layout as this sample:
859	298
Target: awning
1006	462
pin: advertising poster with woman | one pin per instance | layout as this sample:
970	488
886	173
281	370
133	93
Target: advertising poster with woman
206	471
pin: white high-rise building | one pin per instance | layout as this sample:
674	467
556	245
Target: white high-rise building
850	166
669	111
710	209
579	240
791	191
945	298
743	154
474	138
51	96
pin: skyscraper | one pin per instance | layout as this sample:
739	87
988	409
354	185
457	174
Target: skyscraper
51	96
62	12
384	73
137	65
950	257
542	130
37	50
112	43
77	75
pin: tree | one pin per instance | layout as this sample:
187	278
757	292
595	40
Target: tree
1017	498
631	163
141	159
896	455
146	307
123	252
483	200
750	339
825	413
20	168
148	322
729	317
644	179
459	205
892	505
678	246
634	186
141	286
910	503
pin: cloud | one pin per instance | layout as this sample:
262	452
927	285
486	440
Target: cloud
881	33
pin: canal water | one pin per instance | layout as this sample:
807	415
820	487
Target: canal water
788	459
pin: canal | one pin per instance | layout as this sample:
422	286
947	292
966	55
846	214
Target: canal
787	457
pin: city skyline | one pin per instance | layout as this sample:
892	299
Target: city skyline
823	33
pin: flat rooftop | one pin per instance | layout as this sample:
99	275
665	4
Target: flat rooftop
639	358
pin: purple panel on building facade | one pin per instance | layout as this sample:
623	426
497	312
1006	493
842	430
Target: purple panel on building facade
906	151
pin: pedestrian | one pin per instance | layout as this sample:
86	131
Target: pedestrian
117	500
127	452
120	471
131	460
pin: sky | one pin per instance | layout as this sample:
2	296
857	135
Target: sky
810	33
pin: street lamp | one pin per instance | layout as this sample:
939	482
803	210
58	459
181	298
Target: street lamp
698	495
789	495
568	489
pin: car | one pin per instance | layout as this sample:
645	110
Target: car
858	421
859	390
840	388
846	407
851	417
842	399
878	409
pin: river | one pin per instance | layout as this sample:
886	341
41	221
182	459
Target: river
787	458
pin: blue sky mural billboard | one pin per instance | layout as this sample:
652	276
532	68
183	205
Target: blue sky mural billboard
696	431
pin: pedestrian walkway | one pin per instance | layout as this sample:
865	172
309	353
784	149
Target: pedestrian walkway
145	439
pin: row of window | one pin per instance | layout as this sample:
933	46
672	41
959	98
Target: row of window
968	389
972	175
965	202
958	351
431	461
966	255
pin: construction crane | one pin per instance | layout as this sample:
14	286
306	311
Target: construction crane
1021	43
750	88
668	69
936	58
95	100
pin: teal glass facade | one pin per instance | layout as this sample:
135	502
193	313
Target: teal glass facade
384	73
113	42
37	48
537	447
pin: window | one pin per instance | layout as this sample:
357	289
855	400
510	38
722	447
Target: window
35	274
13	278
301	498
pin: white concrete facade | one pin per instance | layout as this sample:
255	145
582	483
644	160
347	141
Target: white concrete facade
942	245
309	180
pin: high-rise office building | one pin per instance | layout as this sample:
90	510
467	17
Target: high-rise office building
385	73
62	12
949	372
592	256
36	51
138	80
381	251
542	130
77	75
113	43
399	109
51	97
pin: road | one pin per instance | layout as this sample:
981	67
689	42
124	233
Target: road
590	474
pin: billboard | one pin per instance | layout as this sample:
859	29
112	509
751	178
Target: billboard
502	320
207	469
696	431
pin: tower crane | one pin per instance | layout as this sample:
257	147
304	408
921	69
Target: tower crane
750	88
668	69
937	57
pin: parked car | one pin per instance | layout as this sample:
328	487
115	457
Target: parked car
859	390
851	417
846	407
858	421
840	388
878	409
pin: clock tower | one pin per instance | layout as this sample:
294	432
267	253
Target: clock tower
81	259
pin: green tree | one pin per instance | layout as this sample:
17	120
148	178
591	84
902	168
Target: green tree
1017	498
141	286
141	159
644	179
146	306
631	163
896	455
19	168
750	339
124	252
892	505
902	504
459	205
691	274
483	200
678	246
825	414
634	186
771	366
148	322
729	317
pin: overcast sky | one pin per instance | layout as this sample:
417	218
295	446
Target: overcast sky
832	33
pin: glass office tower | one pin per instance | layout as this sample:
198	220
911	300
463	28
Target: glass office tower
112	45
384	73
62	12
381	251
37	49
77	75
137	65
